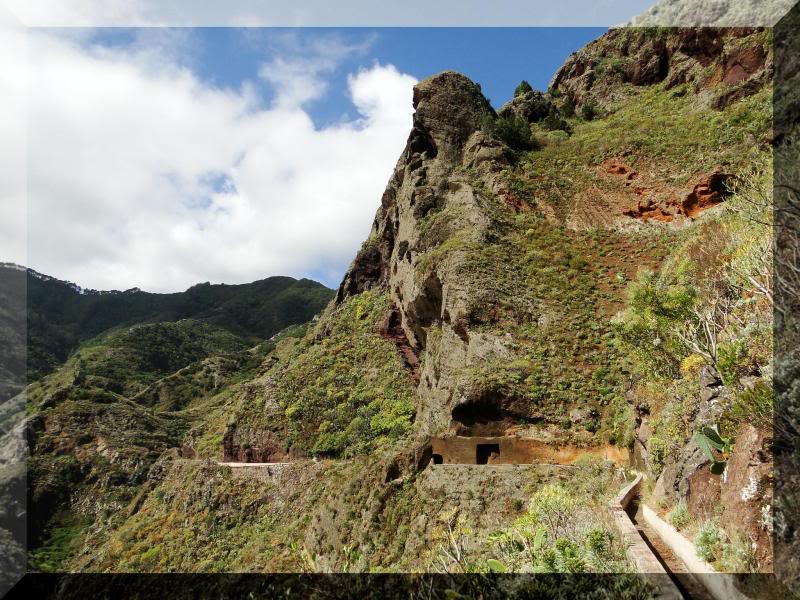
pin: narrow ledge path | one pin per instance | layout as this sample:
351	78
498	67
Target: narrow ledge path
239	465
689	587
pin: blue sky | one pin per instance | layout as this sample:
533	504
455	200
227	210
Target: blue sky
496	58
159	158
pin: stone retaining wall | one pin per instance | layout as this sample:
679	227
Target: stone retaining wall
641	556
470	450
719	585
263	471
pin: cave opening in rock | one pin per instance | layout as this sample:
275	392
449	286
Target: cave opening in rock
478	412
438	459
485	452
393	471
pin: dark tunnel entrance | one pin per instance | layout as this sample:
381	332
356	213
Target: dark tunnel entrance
481	412
485	452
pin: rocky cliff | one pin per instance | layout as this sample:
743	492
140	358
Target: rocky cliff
543	272
719	65
456	189
440	193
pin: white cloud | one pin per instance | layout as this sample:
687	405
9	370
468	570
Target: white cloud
300	76
140	174
350	13
13	132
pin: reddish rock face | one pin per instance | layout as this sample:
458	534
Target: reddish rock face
705	58
514	202
391	328
648	209
742	497
746	494
616	167
710	191
704	493
741	65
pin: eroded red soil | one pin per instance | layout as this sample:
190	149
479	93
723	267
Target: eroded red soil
659	203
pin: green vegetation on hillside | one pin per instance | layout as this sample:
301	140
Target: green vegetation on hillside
240	529
60	317
349	392
536	306
344	391
709	306
124	397
565	529
667	130
12	332
128	360
706	317
554	290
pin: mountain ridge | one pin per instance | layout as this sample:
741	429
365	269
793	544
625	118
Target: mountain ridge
61	314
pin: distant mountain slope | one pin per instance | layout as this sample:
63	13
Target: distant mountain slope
112	375
12	332
61	314
91	420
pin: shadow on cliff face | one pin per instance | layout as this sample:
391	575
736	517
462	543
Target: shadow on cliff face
426	308
489	413
391	328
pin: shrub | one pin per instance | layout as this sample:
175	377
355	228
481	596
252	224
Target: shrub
593	421
512	130
553	506
588	111
692	364
568	107
732	360
709	440
738	556
598	540
584	547
523	88
553	121
593	477
708	541
651	325
569	559
603	554
658	452
754	405
61	544
621	423
679	516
